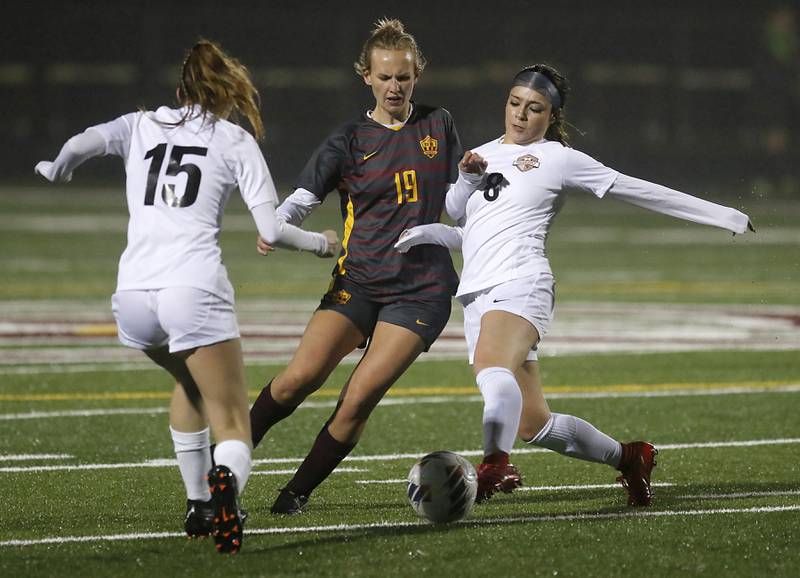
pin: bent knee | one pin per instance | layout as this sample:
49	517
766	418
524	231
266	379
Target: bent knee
293	386
530	426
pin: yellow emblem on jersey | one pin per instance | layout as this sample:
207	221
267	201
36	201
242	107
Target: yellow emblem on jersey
339	297
430	146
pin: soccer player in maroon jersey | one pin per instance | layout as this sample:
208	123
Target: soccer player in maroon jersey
392	167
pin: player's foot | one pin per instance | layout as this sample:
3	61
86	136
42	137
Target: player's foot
228	520
288	503
496	478
638	460
199	518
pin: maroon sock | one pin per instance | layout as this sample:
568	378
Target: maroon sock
265	413
325	455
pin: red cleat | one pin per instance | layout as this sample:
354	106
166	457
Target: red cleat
638	460
496	478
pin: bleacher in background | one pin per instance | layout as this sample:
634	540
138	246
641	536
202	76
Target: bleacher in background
688	94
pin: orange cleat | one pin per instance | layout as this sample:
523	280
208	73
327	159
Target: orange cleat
227	519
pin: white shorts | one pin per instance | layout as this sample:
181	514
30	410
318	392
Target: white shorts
531	298
183	317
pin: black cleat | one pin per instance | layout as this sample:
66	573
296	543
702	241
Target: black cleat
199	518
288	503
228	519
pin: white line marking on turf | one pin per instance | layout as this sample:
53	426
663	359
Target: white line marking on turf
389	525
739	495
32	457
288	472
532	488
157	463
83	413
399	401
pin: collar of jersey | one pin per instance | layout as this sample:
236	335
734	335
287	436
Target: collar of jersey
502	136
396	126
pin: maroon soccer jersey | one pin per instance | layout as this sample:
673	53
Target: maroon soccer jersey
390	180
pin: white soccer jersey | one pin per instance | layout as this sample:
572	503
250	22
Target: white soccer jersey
508	219
179	179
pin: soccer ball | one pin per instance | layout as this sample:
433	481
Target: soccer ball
442	487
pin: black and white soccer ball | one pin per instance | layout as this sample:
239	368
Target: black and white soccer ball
442	487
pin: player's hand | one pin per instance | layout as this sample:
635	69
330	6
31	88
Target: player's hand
333	243
410	238
472	163
50	171
262	247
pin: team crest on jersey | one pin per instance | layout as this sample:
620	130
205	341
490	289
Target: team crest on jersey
339	297
430	146
526	163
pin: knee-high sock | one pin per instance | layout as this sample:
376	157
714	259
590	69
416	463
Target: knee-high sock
325	455
502	406
194	461
265	413
574	437
236	455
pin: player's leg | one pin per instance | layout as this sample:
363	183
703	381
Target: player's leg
204	333
575	437
343	322
190	438
403	332
219	373
328	337
138	326
392	349
504	341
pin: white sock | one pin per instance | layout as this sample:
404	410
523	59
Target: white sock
194	461
574	437
235	454
502	406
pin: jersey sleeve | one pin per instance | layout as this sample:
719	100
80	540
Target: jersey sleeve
454	149
117	134
585	173
323	171
252	174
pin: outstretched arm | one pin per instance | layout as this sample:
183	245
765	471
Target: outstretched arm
274	231
668	201
75	151
433	233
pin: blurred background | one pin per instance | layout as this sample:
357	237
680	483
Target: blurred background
700	96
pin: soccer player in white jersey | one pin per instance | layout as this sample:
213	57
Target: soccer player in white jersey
173	299
508	192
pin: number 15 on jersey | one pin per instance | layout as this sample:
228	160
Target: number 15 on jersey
174	168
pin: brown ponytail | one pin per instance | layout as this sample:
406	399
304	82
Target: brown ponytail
219	84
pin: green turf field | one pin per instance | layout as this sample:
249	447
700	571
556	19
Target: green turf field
91	488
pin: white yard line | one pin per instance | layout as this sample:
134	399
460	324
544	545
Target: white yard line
740	495
33	457
292	471
380	457
414	400
531	488
389	525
